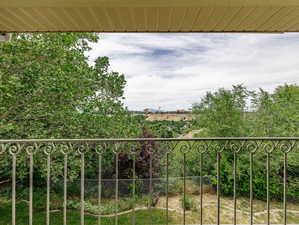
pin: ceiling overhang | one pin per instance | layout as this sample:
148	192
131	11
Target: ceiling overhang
149	15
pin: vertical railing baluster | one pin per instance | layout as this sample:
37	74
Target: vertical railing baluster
134	189
151	185
29	151
285	164
167	185
65	172
99	186
30	187
218	187
13	189
201	189
235	187
251	188
13	150
116	188
268	186
184	190
184	148
48	150
48	189
82	211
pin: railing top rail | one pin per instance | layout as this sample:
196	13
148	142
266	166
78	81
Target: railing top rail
91	140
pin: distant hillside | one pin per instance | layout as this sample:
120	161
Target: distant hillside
167	116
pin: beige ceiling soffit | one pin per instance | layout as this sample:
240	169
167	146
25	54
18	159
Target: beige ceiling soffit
146	3
246	16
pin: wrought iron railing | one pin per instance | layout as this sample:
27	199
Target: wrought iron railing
77	149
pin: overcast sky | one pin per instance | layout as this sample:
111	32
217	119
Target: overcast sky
173	71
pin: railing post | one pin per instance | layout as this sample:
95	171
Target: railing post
251	188
201	188
82	188
184	178
167	185
218	188
48	185
285	164
14	189
116	152
65	190
64	151
184	149
150	185
268	184
99	186
30	151
236	149
13	149
287	148
235	188
116	188
134	189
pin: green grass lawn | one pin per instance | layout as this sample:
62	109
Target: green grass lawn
143	217
157	216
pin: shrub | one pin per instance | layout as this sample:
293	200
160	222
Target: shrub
188	203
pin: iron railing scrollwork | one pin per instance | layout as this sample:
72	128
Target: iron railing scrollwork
200	146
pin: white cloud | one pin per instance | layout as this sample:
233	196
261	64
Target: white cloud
174	70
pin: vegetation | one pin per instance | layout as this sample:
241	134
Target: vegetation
188	203
145	152
168	129
157	216
226	113
240	112
48	89
222	114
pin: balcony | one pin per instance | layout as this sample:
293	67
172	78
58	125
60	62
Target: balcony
96	178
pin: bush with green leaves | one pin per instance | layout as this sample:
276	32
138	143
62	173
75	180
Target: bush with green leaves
188	202
227	113
168	129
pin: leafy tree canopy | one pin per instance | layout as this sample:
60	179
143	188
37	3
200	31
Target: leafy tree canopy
221	113
277	113
49	90
239	112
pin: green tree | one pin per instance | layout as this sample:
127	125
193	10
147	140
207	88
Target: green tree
219	114
277	113
223	113
48	89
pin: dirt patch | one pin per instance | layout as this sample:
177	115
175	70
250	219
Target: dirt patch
209	208
190	134
173	203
